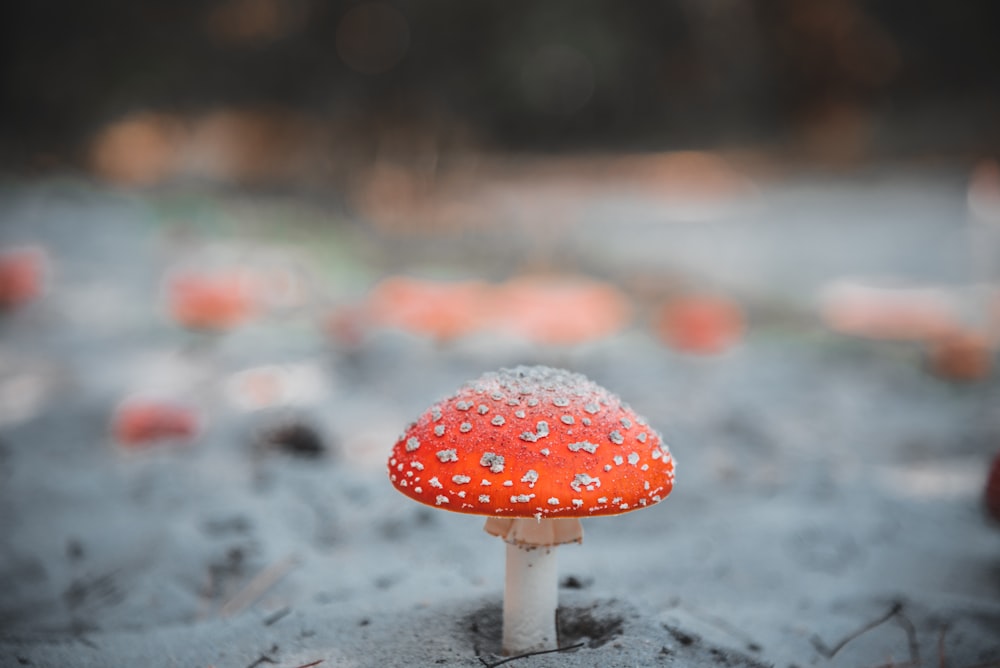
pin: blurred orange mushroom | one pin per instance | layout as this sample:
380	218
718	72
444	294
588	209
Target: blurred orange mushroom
891	313
560	310
699	323
438	309
962	355
22	275
210	301
140	422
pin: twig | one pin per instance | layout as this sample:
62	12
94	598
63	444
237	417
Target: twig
911	635
264	658
830	652
310	665
941	661
722	625
258	585
275	616
527	654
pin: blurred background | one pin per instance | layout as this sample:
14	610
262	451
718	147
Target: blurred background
277	230
313	88
555	173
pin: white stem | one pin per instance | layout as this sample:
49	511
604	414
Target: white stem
530	599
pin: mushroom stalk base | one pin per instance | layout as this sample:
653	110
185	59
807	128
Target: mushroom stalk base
530	599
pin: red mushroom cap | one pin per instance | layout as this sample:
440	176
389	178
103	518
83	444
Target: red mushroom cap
532	442
139	422
22	274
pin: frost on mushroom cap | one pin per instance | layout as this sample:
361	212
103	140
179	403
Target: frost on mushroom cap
566	447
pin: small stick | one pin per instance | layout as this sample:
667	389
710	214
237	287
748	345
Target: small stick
911	635
941	661
722	625
275	616
527	654
830	652
310	665
258	585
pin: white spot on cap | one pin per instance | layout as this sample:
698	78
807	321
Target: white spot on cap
484	498
577	503
624	506
553	501
493	461
485	482
581	480
644	467
633	458
602	499
583	445
519	413
497	421
463	405
532	401
522	498
508	483
435	483
618	459
461	479
418	490
567	419
447	455
607	467
465	427
561	402
641	437
483	409
657	453
616	437
461	495
496	396
541	431
436	414
531	477
439	499
586	421
412	443
544	451
439	430
626	423
591	408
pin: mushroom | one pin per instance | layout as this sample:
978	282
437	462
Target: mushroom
534	449
138	422
211	301
22	275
